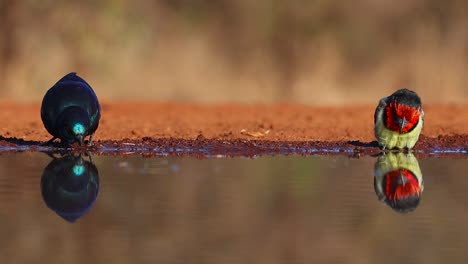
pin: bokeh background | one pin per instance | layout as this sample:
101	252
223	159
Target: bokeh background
213	51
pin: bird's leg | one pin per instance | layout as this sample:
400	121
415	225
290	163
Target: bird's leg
48	142
409	151
90	139
90	157
64	144
383	149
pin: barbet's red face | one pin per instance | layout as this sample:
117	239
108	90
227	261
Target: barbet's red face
401	118
401	185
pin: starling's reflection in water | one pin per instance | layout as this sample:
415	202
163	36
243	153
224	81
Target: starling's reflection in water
70	186
398	181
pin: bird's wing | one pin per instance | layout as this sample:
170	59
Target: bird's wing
380	107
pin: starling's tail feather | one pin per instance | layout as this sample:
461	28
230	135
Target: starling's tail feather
72	77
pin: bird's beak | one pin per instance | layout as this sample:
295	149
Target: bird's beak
80	139
403	123
402	179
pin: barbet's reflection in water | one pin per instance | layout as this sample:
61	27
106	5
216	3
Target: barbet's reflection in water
398	181
70	186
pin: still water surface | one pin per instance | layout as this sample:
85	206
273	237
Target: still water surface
282	209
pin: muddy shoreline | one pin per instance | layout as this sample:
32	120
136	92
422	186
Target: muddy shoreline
444	146
155	129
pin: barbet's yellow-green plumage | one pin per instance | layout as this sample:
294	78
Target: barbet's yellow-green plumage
398	120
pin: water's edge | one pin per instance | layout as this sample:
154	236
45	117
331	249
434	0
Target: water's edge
234	148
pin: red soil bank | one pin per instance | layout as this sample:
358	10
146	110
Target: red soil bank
232	127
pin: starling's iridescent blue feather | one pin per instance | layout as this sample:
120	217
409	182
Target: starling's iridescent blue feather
70	99
70	186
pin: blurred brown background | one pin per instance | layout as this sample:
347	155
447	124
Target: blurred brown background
211	51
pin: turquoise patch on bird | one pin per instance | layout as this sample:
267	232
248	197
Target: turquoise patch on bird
78	129
78	170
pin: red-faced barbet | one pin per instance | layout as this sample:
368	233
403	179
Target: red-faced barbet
398	181
398	120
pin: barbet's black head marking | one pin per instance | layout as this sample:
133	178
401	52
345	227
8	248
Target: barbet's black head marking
405	205
406	97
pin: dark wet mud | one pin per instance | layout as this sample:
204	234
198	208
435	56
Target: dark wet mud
441	146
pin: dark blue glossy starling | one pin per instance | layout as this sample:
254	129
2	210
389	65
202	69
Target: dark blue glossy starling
70	186
70	110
